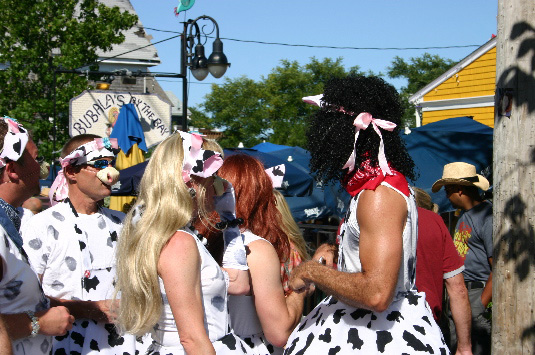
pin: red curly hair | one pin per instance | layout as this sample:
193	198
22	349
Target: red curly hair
255	202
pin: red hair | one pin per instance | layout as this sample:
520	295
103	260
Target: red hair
255	202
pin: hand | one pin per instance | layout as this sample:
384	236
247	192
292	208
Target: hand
463	352
327	252
225	204
297	281
55	321
105	311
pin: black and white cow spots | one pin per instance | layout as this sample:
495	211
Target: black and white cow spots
12	289
383	338
35	244
326	337
354	339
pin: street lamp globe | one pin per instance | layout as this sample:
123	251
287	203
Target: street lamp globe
199	63
217	62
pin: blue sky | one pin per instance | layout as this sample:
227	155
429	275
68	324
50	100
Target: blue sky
350	23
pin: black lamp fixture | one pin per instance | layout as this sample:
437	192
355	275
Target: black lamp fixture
105	82
216	64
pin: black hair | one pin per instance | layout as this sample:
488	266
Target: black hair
331	134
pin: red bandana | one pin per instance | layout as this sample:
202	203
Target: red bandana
368	178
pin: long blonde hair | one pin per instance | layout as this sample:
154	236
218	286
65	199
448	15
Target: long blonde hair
290	227
167	206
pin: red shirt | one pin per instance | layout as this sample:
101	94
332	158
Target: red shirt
436	258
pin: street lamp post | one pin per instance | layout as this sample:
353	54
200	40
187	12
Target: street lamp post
200	66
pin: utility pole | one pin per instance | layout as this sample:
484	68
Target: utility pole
513	294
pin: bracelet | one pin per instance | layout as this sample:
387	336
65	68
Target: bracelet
229	224
35	323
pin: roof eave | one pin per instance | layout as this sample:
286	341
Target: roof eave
417	97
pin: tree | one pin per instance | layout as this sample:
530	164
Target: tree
250	111
419	72
39	36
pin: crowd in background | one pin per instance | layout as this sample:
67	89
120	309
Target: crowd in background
209	259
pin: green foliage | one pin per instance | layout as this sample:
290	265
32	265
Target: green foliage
272	108
419	72
39	36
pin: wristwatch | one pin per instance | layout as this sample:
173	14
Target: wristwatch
35	323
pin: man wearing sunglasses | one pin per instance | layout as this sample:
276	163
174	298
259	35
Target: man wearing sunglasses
71	246
473	240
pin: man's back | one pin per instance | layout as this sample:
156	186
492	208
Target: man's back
436	258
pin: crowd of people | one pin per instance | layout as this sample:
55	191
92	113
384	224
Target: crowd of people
210	261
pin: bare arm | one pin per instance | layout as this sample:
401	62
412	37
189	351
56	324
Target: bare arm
278	314
5	342
239	282
486	295
179	267
382	215
99	311
54	321
460	310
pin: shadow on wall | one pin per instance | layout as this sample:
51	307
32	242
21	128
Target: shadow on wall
516	244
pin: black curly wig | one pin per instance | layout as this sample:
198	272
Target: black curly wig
331	134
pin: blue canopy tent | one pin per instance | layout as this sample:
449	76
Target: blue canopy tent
297	181
436	144
129	180
324	201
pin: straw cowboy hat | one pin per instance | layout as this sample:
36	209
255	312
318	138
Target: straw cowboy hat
460	173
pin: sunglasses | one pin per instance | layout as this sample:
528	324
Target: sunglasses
101	164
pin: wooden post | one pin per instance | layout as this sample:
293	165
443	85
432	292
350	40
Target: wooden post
513	328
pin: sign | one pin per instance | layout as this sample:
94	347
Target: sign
95	112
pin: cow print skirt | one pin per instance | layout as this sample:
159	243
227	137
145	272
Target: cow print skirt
227	345
406	327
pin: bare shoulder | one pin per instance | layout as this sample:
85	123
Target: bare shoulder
261	251
381	200
182	249
180	244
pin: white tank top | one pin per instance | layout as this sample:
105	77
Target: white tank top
243	318
349	239
214	284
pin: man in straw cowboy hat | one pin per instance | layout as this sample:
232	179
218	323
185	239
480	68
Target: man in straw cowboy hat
473	240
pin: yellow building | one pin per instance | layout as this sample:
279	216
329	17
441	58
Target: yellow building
467	89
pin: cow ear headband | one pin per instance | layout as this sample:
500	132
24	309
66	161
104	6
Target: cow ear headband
276	174
197	161
362	121
15	141
96	149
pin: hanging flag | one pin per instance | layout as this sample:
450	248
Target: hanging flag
184	5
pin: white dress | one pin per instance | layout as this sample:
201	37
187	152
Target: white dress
214	284
244	320
20	290
406	327
75	253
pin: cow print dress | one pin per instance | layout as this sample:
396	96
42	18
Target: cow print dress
406	327
214	284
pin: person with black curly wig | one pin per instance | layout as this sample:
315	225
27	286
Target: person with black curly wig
373	305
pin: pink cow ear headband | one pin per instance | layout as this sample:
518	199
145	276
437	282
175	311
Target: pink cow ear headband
276	174
96	149
362	121
197	161
15	141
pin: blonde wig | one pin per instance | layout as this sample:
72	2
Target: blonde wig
290	227
167	207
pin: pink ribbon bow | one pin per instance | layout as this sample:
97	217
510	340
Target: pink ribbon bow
362	121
